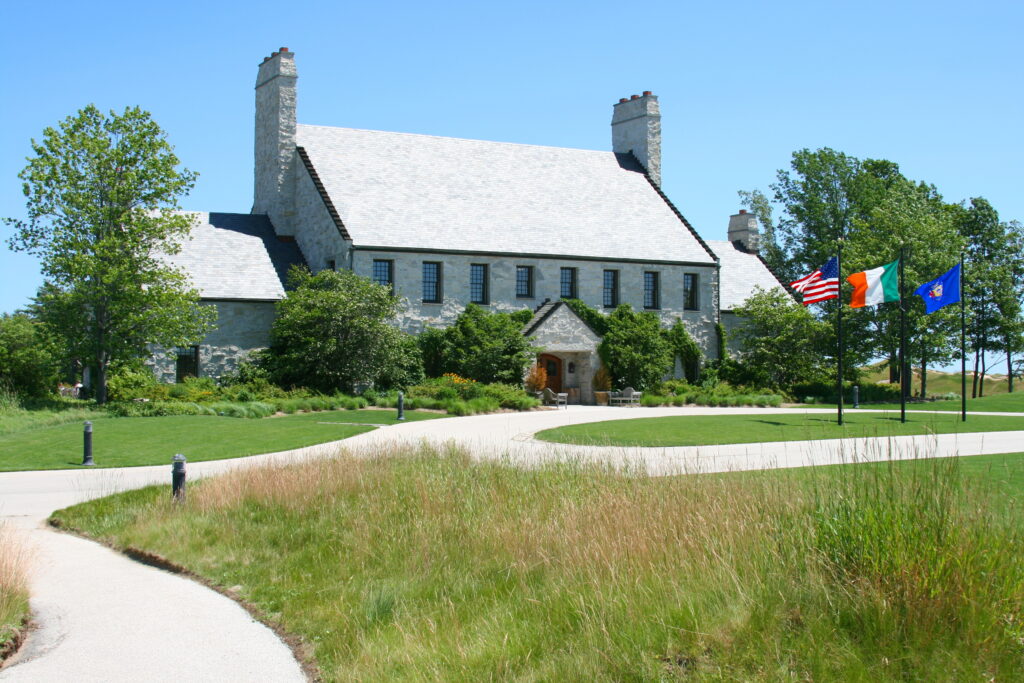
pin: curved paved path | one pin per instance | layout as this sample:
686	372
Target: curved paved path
102	617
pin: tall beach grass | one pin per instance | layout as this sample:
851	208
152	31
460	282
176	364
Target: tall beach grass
423	564
14	571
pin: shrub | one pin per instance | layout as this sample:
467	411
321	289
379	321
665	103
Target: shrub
536	378
332	332
634	349
29	358
484	346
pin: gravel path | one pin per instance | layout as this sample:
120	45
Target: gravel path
103	617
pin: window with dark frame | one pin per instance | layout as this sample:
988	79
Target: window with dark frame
652	294
331	264
186	363
478	285
568	282
431	282
611	288
384	272
524	282
691	300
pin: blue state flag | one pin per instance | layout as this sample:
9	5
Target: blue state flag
942	291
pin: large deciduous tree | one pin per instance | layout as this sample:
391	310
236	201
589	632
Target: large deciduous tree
102	198
333	332
783	344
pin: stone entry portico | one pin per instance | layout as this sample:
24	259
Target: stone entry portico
570	344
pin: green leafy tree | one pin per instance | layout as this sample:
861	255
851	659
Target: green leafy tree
29	357
768	245
333	332
992	278
634	349
782	342
102	193
912	218
480	345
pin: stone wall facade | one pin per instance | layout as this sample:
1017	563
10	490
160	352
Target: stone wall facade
408	283
242	327
564	335
318	238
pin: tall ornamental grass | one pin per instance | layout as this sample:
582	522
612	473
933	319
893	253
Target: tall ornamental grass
428	565
14	569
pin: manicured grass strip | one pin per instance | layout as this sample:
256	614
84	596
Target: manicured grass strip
133	441
1001	403
427	566
700	430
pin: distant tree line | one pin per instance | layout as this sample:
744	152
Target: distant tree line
878	213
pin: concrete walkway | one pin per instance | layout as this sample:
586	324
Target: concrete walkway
102	617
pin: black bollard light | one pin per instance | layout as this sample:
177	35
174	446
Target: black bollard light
401	406
178	478
87	445
856	396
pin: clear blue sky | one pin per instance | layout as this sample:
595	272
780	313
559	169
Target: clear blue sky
933	86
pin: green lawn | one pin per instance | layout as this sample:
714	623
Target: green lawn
420	565
132	441
999	403
723	429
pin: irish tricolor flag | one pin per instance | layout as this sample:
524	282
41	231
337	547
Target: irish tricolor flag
875	286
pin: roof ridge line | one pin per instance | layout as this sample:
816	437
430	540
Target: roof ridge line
449	137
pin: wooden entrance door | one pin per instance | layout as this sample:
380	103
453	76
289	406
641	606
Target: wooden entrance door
553	366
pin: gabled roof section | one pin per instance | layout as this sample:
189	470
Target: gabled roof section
236	256
741	272
409	191
545	311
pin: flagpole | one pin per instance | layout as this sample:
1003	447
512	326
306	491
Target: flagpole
903	343
839	335
963	346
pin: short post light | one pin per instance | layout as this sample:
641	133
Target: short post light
856	396
178	478
401	406
87	445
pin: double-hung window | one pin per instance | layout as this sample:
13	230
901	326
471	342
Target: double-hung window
611	288
384	272
478	284
432	282
691	292
568	283
652	293
524	282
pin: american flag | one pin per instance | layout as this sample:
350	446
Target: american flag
821	285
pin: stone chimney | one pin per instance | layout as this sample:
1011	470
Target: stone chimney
275	140
636	128
743	229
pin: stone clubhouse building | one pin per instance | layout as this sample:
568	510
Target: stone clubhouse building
447	222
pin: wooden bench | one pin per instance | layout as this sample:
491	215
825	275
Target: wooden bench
628	397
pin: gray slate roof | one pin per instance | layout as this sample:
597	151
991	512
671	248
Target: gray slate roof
425	192
236	256
741	273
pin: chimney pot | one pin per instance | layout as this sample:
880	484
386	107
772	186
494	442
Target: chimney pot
622	99
634	97
742	211
646	93
283	49
274	54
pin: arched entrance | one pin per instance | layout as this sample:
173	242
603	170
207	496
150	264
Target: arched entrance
553	367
